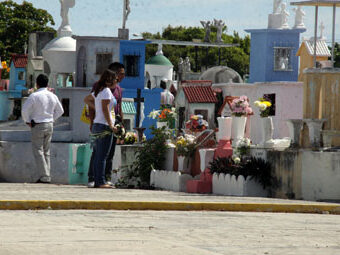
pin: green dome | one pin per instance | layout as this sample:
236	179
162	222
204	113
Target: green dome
159	60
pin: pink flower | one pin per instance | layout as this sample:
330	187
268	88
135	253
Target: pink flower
244	98
249	110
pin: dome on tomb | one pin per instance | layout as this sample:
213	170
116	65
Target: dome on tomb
221	74
65	43
159	60
60	54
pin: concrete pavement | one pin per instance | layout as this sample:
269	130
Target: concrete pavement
22	196
167	233
159	222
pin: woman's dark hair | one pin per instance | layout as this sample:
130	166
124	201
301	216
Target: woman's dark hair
107	76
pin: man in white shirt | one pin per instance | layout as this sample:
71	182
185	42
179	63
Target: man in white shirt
167	98
39	112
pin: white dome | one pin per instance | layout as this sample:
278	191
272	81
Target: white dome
61	44
60	54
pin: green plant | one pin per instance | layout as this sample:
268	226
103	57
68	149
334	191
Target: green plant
259	170
129	179
151	156
222	166
262	171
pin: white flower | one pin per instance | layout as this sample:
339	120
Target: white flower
154	114
263	106
236	160
257	103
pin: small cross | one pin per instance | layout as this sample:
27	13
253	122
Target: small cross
138	100
322	28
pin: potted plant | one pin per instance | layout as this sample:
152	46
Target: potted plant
150	155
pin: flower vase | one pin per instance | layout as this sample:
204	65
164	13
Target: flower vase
160	124
183	164
237	129
267	131
224	128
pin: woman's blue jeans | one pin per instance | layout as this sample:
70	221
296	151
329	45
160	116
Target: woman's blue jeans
101	149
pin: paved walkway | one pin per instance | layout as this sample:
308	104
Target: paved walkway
167	233
167	228
50	196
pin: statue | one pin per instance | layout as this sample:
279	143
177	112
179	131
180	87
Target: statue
159	50
126	12
180	69
187	65
299	14
207	27
65	6
283	63
284	16
322	28
219	24
276	6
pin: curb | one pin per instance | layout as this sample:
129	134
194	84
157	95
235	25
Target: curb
167	206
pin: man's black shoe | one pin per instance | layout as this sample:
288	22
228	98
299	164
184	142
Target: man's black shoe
40	181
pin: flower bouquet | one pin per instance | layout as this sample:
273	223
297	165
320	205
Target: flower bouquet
185	145
164	115
130	138
4	70
264	107
243	147
196	123
240	107
120	133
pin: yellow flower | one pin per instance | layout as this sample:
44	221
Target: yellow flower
267	103
4	65
263	106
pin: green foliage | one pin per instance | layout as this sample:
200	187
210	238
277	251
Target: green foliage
151	156
234	57
17	21
257	168
336	54
261	171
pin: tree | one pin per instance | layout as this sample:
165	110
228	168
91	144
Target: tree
234	57
336	55
17	21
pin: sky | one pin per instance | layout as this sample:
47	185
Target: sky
104	17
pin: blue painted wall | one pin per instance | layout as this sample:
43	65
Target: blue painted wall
152	99
262	46
4	105
135	48
15	83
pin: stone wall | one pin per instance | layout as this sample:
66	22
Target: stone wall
17	163
304	174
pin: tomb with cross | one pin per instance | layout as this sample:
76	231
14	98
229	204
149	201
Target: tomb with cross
139	100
